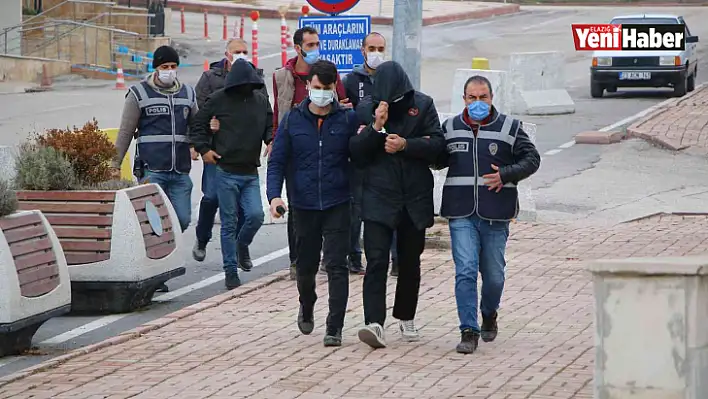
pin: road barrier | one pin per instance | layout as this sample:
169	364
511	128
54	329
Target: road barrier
500	88
538	84
480	63
34	279
254	38
206	25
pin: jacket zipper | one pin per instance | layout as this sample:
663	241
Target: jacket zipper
174	138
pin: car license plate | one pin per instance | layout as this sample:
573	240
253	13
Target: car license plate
635	75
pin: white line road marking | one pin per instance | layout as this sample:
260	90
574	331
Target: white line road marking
106	320
265	57
567	145
553	152
216	278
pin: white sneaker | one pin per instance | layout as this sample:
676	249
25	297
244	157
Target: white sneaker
373	335
408	330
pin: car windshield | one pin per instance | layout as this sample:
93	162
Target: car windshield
645	21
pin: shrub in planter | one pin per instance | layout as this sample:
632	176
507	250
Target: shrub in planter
8	199
43	168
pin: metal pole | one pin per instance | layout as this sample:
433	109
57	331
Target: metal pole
380	7
407	37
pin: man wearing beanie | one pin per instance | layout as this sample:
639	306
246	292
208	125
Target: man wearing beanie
157	112
245	124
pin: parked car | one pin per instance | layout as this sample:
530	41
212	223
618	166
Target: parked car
676	69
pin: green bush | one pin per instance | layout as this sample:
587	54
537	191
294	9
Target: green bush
8	199
43	168
109	185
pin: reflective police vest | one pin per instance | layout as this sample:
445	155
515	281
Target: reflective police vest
163	144
470	158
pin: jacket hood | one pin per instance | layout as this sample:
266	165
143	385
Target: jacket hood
243	73
219	65
391	83
291	64
360	70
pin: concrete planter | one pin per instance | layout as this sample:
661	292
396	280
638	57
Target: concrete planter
651	323
34	279
120	246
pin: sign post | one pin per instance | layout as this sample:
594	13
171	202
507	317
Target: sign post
341	38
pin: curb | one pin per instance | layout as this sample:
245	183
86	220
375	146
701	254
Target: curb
271	13
149	326
634	130
650	215
611	137
611	4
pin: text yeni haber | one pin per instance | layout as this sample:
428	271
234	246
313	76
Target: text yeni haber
629	37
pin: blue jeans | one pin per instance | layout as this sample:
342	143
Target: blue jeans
209	205
234	192
178	188
478	246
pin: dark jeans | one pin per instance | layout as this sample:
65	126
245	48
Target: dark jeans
410	245
209	205
324	231
292	237
238	191
356	187
178	188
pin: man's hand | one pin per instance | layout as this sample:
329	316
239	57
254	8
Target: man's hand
493	180
381	115
268	149
274	204
394	143
193	153
214	124
115	173
346	103
211	157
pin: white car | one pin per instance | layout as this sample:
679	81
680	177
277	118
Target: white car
676	69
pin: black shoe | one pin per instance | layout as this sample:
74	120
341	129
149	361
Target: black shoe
354	264
333	338
244	258
232	281
468	342
199	251
293	271
305	320
394	267
489	328
162	288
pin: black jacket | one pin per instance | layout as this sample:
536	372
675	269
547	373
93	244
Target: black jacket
245	117
358	84
213	80
393	183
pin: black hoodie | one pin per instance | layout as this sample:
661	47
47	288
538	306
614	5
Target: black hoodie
400	181
245	117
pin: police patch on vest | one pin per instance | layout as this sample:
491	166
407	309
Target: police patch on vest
157	110
186	112
458	147
493	148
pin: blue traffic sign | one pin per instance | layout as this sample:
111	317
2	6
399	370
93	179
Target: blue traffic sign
341	38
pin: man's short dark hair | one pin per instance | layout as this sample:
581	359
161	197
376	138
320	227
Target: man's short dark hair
299	35
325	71
363	44
478	79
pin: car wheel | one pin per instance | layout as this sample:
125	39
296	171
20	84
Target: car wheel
596	89
680	88
691	83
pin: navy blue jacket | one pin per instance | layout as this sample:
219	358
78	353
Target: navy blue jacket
315	163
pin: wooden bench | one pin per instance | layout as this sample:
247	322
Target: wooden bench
82	221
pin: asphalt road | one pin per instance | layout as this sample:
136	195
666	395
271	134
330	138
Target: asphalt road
445	48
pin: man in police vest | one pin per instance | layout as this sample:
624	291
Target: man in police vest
289	89
488	154
160	108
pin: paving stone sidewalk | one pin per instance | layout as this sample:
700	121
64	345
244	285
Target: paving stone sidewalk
680	124
381	11
250	347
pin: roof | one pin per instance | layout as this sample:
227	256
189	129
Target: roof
648	16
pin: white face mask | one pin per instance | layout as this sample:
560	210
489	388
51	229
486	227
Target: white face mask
238	56
167	76
374	59
321	98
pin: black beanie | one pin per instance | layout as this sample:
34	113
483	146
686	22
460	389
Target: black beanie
163	55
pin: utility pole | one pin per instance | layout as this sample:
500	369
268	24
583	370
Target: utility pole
407	37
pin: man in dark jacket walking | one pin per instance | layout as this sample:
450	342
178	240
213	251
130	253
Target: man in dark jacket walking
311	151
488	154
245	119
402	138
211	81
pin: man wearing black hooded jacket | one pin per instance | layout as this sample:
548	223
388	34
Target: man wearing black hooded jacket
401	139
245	123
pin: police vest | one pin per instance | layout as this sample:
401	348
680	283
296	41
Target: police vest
470	158
163	144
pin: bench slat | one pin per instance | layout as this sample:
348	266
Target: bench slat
86	246
31	246
80	220
73	196
25	233
161	250
39	288
66	207
80	258
77	232
37	258
9	223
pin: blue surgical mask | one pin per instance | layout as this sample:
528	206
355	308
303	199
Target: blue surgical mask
311	56
478	110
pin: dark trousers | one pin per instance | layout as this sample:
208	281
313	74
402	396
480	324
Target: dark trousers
410	245
327	232
292	236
